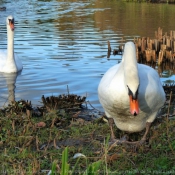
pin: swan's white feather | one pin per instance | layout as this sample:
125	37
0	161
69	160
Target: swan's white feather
113	95
7	65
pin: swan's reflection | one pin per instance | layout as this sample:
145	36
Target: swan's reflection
10	80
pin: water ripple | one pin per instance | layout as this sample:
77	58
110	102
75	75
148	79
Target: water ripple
63	43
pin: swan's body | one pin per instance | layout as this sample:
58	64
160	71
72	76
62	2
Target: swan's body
9	62
131	93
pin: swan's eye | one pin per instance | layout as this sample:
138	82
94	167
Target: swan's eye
136	94
130	93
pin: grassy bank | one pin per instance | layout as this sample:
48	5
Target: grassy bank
153	1
33	141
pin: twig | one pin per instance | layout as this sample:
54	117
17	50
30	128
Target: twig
93	107
86	101
68	89
167	125
169	105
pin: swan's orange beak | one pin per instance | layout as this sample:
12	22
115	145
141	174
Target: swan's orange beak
12	25
134	106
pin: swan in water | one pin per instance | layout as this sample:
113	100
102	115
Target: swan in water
131	94
9	62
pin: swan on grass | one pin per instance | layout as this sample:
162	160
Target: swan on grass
9	62
131	94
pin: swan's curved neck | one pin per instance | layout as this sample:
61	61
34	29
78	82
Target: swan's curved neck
10	44
130	67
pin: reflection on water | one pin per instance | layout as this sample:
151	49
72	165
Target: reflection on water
65	42
9	80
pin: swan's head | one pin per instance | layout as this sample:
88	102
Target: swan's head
133	98
10	22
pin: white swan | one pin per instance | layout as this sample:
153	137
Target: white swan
131	93
9	62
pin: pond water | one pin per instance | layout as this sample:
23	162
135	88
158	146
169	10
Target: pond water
64	43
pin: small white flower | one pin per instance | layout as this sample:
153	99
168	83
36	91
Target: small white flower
78	155
49	172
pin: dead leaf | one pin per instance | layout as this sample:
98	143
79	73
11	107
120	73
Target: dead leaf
114	157
41	124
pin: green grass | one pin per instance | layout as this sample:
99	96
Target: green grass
26	148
